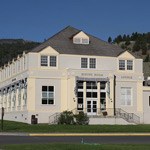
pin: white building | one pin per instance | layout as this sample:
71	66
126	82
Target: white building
75	71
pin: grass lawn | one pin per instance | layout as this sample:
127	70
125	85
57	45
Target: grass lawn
59	146
10	126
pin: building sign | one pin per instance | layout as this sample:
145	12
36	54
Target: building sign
92	74
126	77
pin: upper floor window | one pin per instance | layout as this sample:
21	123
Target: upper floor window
77	40
121	64
84	62
85	41
44	60
92	63
53	61
129	65
49	61
125	64
81	41
88	63
47	94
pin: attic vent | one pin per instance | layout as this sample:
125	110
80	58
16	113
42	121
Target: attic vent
80	41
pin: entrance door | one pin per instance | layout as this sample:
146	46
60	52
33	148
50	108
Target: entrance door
91	107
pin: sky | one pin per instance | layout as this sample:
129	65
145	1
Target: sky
37	20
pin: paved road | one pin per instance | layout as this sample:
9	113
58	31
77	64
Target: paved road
75	139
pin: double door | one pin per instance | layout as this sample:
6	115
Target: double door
91	107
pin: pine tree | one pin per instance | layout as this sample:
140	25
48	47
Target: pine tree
109	40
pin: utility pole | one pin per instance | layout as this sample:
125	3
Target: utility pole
2	118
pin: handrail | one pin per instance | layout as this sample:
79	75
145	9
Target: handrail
120	113
54	118
129	117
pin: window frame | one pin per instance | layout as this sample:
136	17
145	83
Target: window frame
92	63
47	94
126	96
129	65
121	67
52	62
126	65
83	63
44	62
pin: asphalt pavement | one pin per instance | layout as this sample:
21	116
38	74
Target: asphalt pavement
13	139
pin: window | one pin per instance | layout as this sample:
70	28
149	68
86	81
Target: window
44	60
47	94
121	64
84	62
77	40
129	65
85	41
92	63
91	94
125	64
91	85
53	61
126	96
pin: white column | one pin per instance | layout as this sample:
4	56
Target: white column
16	99
98	98
84	97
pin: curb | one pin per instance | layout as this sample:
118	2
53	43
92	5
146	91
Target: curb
89	134
73	134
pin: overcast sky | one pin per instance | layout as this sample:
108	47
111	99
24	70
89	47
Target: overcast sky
37	20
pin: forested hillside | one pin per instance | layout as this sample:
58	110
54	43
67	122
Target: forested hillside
136	42
10	48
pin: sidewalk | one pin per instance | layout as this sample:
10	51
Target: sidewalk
72	134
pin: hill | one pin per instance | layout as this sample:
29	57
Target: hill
11	48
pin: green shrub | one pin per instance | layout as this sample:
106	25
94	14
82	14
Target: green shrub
66	117
81	118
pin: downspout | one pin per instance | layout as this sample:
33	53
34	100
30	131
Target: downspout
114	95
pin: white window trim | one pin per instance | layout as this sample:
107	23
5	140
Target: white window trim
88	63
42	96
80	40
126	65
131	97
48	65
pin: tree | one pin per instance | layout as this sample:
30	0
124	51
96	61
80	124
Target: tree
109	40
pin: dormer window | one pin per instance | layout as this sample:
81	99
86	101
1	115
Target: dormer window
80	41
81	38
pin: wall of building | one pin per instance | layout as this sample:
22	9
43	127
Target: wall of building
146	105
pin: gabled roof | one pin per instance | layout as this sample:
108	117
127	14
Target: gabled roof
63	44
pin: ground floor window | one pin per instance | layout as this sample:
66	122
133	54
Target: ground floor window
48	95
126	96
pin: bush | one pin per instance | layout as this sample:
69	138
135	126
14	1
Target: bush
66	117
82	118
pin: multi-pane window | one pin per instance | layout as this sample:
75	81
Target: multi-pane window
47	94
84	62
92	63
129	65
125	64
91	85
121	64
80	101
85	41
53	61
126	96
77	40
44	60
